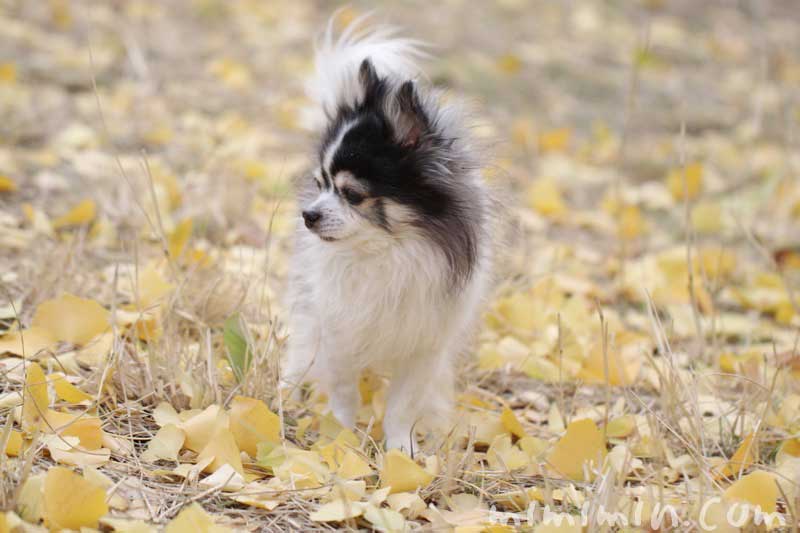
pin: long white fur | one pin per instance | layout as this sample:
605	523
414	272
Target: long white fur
336	61
373	299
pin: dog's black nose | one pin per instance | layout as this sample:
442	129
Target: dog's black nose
311	218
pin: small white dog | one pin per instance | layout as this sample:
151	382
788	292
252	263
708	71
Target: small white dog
392	253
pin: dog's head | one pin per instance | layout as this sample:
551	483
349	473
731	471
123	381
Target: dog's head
390	169
371	176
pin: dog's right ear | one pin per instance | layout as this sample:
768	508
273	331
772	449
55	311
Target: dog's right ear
369	81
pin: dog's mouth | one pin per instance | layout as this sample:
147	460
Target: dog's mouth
327	239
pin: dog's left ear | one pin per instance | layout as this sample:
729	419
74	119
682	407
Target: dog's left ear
413	121
370	83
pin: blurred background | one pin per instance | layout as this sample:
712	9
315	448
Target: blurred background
210	92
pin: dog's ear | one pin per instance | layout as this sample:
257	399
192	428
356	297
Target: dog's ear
369	80
413	121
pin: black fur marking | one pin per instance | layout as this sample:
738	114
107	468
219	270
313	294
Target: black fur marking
411	162
325	178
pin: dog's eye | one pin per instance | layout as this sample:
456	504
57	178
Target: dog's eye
353	197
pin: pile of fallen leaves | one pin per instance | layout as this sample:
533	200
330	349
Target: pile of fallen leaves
639	353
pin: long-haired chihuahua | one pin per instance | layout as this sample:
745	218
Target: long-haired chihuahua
392	253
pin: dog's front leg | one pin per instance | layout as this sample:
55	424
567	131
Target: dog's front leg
343	397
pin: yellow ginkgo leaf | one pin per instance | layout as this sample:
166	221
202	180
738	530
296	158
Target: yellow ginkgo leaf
234	74
342	457
252	422
504	456
556	140
686	182
194	519
14	444
509	63
402	474
27	343
303	468
512	423
151	287
742	458
630	223
620	370
621	427
7	184
35	399
176	242
383	519
8	73
706	218
336	511
88	429
66	391
758	488
351	465
166	444
96	350
581	446
202	426
222	447
545	197
71	319
71	501
83	213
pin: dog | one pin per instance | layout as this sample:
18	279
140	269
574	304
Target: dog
392	252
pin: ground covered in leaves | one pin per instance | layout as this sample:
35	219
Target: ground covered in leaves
640	352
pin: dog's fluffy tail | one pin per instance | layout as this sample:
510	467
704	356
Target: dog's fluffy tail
334	81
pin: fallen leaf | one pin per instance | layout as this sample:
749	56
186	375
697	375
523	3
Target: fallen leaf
582	445
512	423
151	287
402	474
545	197
27	343
14	444
222	447
66	450
706	218
621	427
758	488
177	240
504	456
742	459
383	519
630	223
66	391
407	503
201	427
7	184
71	319
35	399
193	519
88	429
165	445
336	511
83	213
30	504
686	182
556	140
70	501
